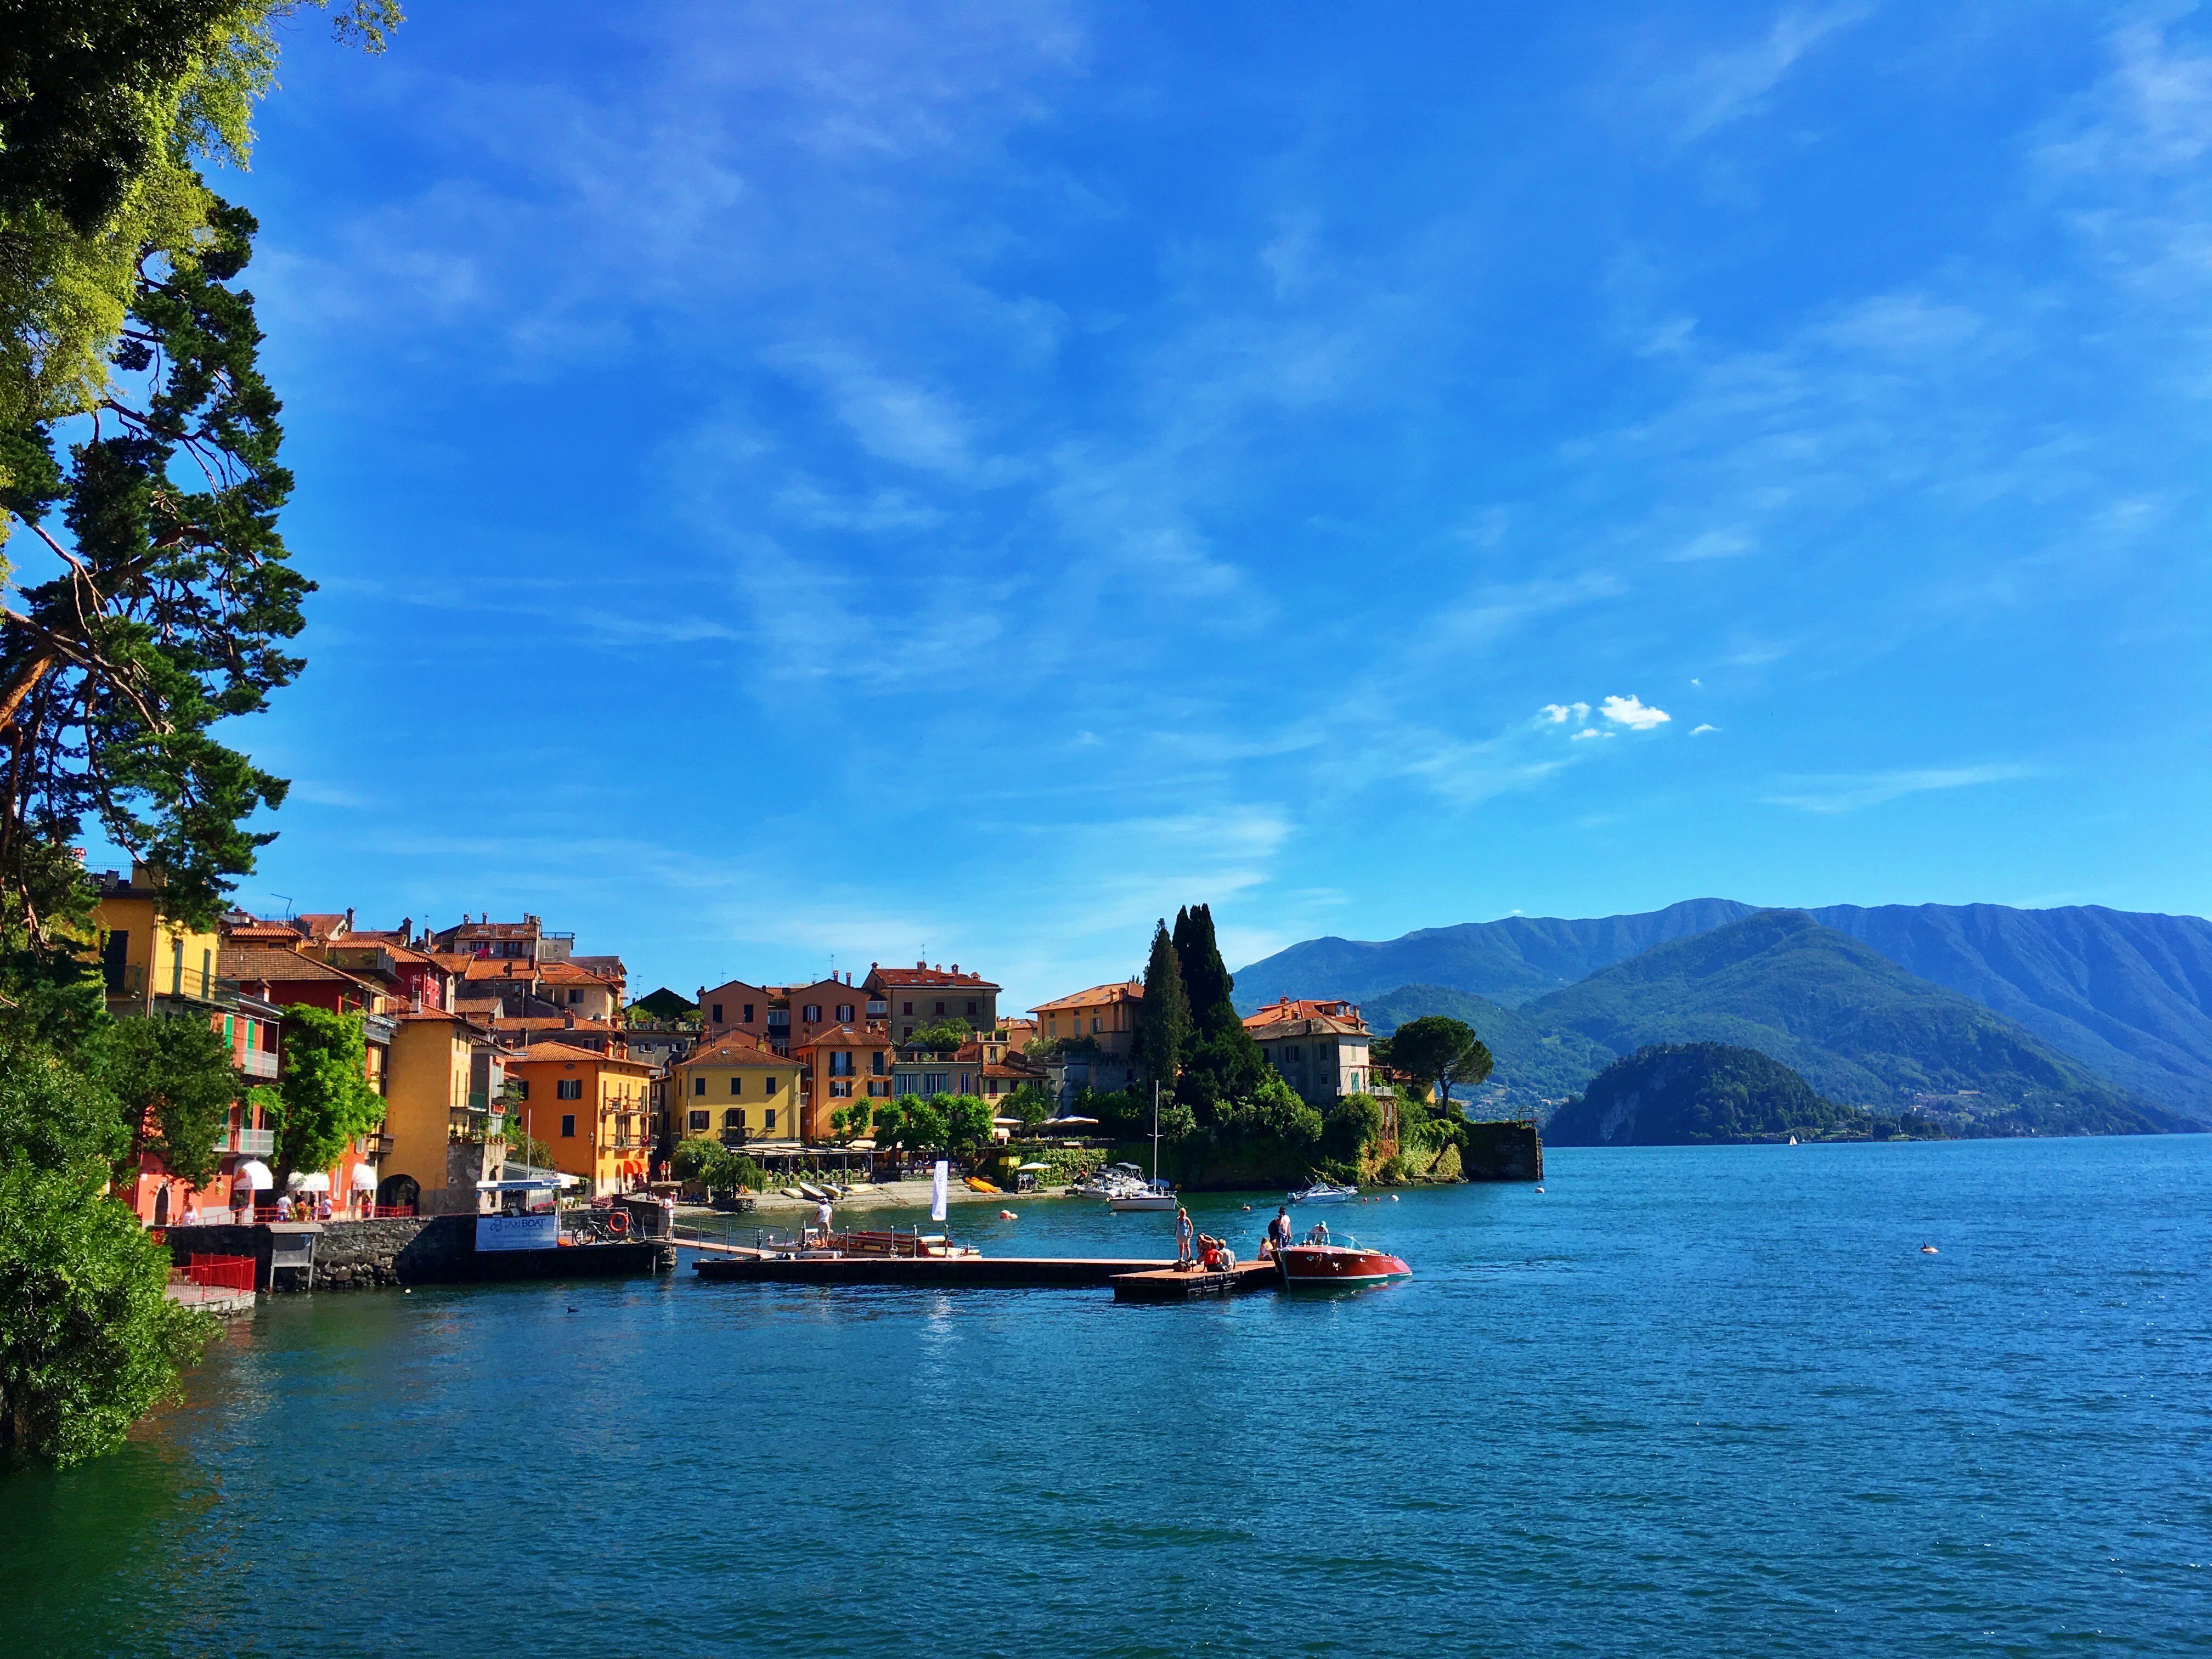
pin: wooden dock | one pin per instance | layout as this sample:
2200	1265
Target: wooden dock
936	1272
1172	1284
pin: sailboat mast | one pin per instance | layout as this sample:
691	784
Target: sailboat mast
1156	1131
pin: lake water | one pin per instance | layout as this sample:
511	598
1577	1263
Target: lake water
1694	1401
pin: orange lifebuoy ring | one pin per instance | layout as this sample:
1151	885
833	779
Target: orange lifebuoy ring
618	1222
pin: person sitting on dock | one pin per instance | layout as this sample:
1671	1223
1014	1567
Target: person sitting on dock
1184	1232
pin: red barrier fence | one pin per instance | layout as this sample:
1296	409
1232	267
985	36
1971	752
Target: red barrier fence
233	1272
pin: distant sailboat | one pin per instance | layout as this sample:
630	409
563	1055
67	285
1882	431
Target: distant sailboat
1793	1141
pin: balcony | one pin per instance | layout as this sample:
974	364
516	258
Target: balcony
127	982
247	1143
378	1028
259	1062
373	1147
474	1125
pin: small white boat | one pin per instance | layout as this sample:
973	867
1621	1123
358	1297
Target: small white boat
1158	1196
1325	1192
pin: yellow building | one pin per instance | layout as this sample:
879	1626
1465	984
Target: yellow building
443	1141
148	958
588	1108
735	1090
1107	1014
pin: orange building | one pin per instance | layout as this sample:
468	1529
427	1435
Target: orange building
784	1018
1105	1014
588	1108
840	1065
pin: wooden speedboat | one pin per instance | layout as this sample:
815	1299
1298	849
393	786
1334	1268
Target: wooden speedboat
1337	1267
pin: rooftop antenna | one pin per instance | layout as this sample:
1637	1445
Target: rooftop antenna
287	897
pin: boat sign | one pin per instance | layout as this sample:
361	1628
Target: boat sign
541	1231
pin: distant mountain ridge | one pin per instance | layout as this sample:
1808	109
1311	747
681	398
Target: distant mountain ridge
2127	994
1859	1029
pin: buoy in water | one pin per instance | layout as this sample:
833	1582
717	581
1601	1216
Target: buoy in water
1394	1198
1008	1215
1248	1208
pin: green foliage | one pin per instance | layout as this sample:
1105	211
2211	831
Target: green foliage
1164	1023
847	1122
1120	1112
719	1169
935	1123
1441	1050
169	611
1705	1093
1028	1106
325	1099
1351	1125
88	1342
106	107
942	1034
174	1082
1206	981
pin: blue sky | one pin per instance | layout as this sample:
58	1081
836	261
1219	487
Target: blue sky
792	483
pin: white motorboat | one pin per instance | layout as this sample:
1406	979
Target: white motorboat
1325	1192
1159	1195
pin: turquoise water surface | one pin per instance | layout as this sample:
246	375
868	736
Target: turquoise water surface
1683	1401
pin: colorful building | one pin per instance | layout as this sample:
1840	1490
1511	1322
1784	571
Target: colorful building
840	1065
443	1113
588	1108
736	1089
918	997
1321	1047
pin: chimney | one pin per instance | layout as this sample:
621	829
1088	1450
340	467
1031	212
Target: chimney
406	930
919	965
349	918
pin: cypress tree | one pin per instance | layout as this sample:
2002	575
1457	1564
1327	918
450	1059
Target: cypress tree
1206	980
1164	1024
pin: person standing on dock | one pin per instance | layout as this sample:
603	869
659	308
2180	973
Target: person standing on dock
1278	1229
821	1222
1184	1235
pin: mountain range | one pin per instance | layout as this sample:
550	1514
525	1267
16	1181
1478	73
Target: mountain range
2127	996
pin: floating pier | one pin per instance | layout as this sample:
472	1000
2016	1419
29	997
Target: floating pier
1172	1284
938	1272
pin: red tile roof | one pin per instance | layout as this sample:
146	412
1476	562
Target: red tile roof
844	1036
1333	1016
1097	996
738	1049
922	974
539	1053
253	964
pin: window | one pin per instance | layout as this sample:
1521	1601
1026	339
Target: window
522	1088
878	1090
734	1119
771	1119
840	1090
906	1008
575	996
971	1011
568	1088
568	1126
749	1014
714	1013
812	1013
940	1007
698	1085
844	1014
699	1121
875	1062
1096	1024
767	1086
736	1084
937	1083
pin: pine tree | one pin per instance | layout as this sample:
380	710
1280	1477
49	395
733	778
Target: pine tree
1164	1024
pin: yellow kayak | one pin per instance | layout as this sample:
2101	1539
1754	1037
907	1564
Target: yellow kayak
977	1184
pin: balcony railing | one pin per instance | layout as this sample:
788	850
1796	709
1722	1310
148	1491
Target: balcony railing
247	1143
372	1146
259	1062
129	980
474	1124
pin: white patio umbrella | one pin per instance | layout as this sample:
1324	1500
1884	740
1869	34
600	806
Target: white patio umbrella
255	1174
316	1183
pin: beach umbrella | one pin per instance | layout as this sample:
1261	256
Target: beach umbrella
255	1174
1031	1169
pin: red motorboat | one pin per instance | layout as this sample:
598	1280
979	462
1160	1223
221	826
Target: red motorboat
1337	1267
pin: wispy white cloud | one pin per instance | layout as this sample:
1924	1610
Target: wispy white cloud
1727	86
1558	713
1699	730
1851	794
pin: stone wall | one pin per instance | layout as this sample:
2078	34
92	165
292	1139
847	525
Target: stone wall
1504	1151
349	1255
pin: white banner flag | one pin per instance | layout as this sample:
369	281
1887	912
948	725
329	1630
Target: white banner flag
937	1174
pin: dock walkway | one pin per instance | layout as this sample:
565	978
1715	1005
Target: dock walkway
1171	1284
928	1271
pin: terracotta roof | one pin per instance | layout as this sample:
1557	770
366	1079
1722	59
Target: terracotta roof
1338	1015
553	973
1097	996
738	1049
920	973
844	1036
539	1053
556	1023
254	962
252	931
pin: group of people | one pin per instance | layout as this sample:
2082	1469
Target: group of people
308	1206
1195	1249
1278	1234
